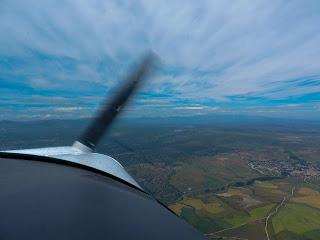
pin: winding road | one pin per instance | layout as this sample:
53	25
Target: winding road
267	218
282	204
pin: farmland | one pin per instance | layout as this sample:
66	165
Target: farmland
234	217
247	179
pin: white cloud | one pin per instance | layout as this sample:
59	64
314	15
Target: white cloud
69	109
41	83
191	108
214	49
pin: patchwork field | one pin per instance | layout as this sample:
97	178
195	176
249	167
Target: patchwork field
307	196
198	205
291	209
227	176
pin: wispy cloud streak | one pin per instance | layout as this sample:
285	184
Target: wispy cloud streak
213	52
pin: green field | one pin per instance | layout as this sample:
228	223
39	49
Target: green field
254	214
202	222
250	231
297	218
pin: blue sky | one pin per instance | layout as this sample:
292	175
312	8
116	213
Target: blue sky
59	59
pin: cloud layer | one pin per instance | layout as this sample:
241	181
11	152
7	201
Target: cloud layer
215	55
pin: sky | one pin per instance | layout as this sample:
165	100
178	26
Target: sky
60	59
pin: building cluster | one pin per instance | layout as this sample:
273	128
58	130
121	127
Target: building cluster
275	167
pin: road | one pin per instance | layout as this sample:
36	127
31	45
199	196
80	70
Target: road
267	218
282	204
